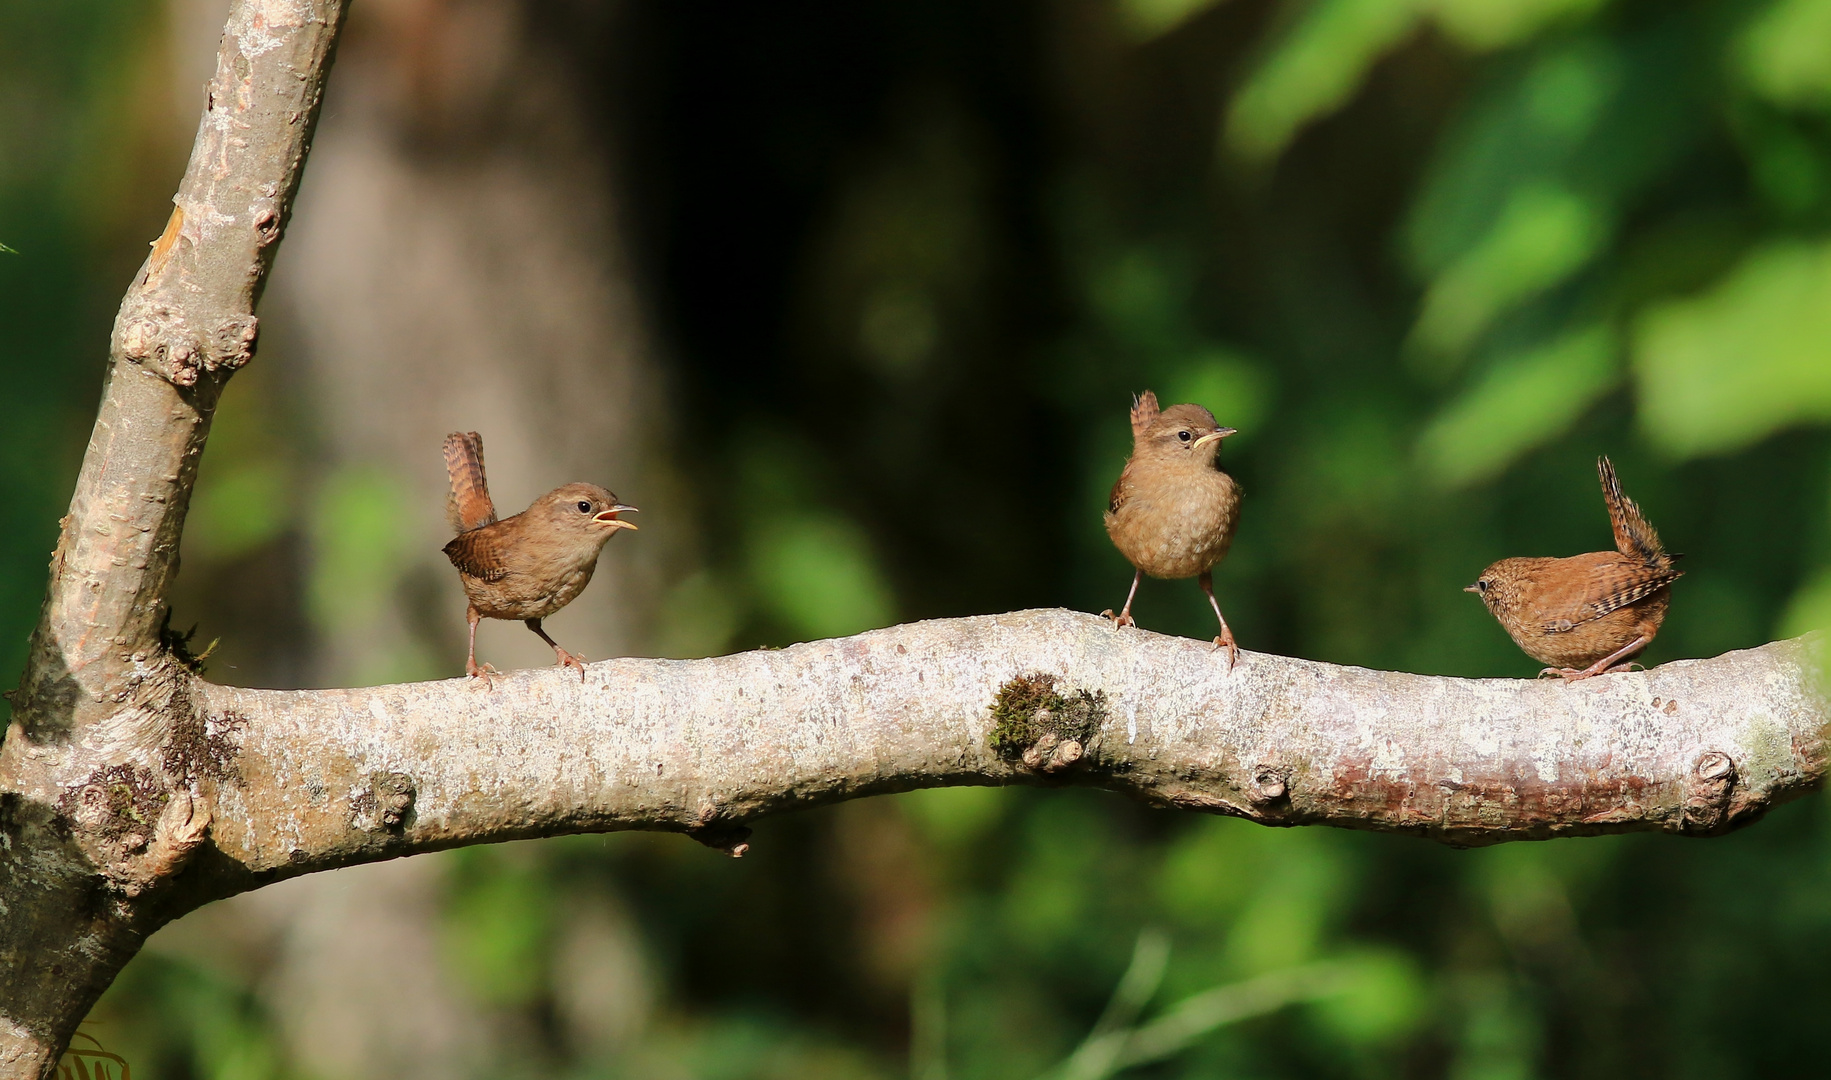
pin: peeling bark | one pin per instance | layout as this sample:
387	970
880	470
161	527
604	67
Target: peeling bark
132	791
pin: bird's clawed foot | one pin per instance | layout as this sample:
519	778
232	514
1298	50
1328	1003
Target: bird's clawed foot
1225	641
1577	674
486	673
563	658
1608	665
1124	618
566	659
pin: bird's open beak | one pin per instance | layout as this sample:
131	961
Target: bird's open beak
1221	434
1476	589
609	517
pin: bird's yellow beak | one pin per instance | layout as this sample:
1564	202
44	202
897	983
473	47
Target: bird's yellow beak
1212	435
609	517
1476	589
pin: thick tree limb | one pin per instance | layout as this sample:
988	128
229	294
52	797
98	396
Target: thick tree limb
100	692
185	324
332	777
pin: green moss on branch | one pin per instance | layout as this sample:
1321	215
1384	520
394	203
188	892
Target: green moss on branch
1034	722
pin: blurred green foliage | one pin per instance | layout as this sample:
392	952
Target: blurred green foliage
169	1018
69	82
1729	366
1431	257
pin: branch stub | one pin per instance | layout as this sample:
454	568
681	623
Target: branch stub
1270	785
1713	780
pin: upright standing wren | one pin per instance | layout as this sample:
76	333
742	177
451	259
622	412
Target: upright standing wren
528	566
1172	513
1587	614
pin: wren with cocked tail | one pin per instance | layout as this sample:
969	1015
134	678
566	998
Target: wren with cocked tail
528	566
1587	614
1172	512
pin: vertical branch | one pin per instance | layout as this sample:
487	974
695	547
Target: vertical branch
99	804
186	323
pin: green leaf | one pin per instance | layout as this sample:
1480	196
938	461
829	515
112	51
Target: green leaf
1785	55
1546	233
497	929
816	572
1313	70
954	817
1810	608
1380	1001
1718	371
1147	19
1523	401
1323	59
1494	24
359	541
1528	128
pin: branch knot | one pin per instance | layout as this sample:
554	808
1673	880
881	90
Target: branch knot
1270	785
159	338
1713	780
139	831
718	832
385	804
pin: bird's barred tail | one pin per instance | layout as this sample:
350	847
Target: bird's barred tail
469	505
1634	534
1144	410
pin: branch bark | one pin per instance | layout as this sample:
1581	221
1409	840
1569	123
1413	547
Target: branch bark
132	791
334	777
101	691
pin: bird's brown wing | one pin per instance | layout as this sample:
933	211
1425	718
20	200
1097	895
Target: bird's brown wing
1144	410
1122	489
468	505
1631	585
1590	586
478	553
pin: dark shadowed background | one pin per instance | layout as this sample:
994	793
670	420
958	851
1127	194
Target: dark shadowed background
851	300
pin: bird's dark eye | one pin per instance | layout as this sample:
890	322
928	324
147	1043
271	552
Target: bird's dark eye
1482	584
584	507
1183	435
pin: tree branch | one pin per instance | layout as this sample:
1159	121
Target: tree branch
333	777
131	791
101	693
185	324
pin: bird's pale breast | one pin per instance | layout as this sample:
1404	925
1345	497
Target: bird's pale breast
527	596
1174	522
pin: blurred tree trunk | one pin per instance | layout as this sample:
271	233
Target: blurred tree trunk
458	263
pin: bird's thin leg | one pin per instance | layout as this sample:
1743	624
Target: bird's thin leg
1124	618
1601	666
1226	639
566	659
471	667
